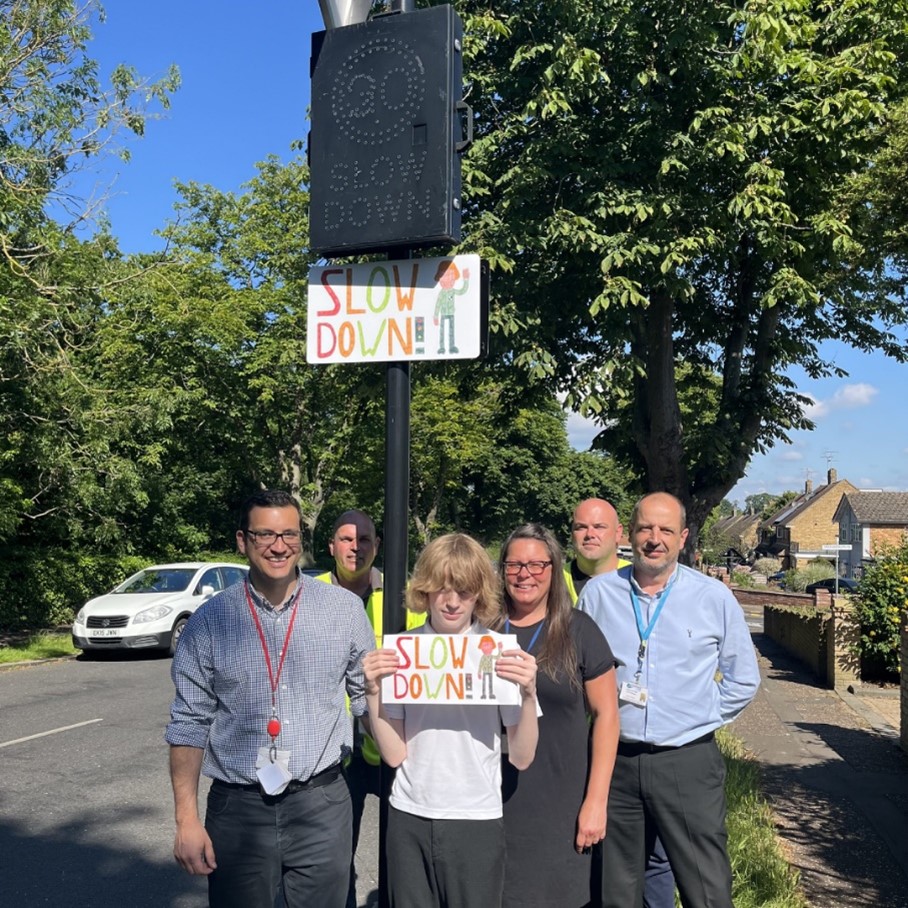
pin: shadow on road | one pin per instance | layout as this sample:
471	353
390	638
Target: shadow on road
71	867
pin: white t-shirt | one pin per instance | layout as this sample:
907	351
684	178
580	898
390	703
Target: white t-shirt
452	770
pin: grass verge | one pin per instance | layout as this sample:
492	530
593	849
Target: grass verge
762	878
42	645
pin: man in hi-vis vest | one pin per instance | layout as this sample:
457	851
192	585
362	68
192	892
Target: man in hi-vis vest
354	545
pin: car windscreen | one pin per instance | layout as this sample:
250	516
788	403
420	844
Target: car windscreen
168	580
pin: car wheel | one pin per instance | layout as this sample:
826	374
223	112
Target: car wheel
175	635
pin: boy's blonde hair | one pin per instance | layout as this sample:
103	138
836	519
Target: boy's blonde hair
457	562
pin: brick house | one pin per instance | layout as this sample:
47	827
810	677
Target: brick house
740	532
804	525
867	521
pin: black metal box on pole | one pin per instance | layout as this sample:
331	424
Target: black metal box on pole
386	136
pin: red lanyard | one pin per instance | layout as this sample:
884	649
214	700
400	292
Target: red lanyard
274	724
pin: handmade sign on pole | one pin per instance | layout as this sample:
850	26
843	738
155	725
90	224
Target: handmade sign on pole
450	668
412	309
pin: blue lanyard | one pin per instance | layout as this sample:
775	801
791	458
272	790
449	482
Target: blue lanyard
645	632
507	630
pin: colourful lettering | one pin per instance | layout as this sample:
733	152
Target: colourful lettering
406	343
438	652
346	338
405	300
386	289
366	350
323	350
350	310
328	272
402	651
456	661
416	662
454	685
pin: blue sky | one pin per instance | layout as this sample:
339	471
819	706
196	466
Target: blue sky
245	72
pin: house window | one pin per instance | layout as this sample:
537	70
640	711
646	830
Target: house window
855	532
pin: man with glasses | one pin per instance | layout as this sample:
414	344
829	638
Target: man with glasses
686	666
261	674
354	546
595	535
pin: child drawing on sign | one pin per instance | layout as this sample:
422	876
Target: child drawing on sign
487	665
447	276
445	843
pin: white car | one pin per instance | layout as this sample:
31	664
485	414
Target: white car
151	608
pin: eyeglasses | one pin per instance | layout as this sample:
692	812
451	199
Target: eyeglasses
534	568
264	538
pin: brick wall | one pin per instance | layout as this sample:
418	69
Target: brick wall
803	633
883	536
813	629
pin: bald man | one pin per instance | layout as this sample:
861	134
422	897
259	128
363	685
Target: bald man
686	666
596	532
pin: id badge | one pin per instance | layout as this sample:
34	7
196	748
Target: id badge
633	693
273	775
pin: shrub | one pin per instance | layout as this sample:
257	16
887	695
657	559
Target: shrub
767	566
43	588
797	580
881	603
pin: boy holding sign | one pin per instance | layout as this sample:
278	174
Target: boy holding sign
445	829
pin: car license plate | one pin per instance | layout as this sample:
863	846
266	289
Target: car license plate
104	632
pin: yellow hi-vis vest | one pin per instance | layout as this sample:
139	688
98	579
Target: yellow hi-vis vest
569	580
375	614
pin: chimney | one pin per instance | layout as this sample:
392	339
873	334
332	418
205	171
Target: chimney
831	477
808	486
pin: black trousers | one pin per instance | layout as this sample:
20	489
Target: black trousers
295	844
444	863
363	779
681	794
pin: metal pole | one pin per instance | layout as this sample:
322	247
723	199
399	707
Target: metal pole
396	530
397	492
397	522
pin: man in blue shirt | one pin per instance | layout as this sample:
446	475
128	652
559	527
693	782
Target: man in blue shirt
261	675
686	666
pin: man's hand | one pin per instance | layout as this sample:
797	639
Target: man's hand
193	849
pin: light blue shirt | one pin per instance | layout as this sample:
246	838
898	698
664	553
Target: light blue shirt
223	690
699	670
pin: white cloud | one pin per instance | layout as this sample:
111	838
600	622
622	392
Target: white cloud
851	396
848	397
791	456
816	409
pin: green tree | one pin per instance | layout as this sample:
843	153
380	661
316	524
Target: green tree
881	604
55	115
225	348
659	189
879	211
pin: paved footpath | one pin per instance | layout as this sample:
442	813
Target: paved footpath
837	782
